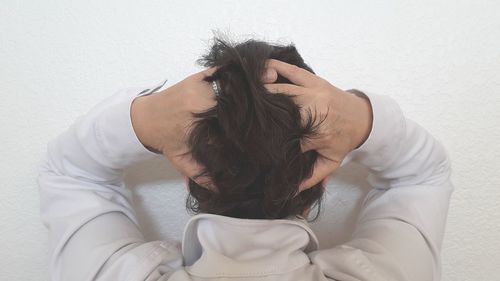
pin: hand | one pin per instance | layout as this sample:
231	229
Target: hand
348	117
162	120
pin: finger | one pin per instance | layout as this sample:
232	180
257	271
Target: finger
306	144
300	97
187	166
270	75
284	88
324	182
200	76
203	181
295	74
322	169
208	71
190	168
298	93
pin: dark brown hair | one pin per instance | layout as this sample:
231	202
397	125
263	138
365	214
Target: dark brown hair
249	142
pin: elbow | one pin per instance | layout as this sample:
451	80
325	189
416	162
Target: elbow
443	170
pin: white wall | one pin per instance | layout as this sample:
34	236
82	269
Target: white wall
439	59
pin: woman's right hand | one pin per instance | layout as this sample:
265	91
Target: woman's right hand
348	120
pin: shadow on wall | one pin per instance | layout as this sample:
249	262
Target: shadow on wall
159	194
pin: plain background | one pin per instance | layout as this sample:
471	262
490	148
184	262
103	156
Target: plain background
439	59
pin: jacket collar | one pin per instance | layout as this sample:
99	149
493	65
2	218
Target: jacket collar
217	246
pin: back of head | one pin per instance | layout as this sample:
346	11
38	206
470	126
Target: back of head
250	141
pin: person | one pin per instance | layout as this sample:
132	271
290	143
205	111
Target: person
253	145
94	232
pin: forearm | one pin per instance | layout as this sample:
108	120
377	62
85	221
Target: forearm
401	224
80	181
404	158
398	151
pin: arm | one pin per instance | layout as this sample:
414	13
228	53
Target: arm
93	230
401	225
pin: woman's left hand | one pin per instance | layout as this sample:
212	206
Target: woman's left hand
162	120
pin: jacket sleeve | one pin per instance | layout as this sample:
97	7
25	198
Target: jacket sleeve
93	230
400	228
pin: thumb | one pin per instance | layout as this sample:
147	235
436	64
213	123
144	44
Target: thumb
323	167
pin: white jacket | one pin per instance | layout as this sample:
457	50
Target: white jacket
94	233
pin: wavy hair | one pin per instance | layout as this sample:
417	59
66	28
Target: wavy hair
249	142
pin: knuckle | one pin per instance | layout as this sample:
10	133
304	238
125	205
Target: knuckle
287	88
322	83
272	88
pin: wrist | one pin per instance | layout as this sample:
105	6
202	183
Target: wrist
362	117
141	121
